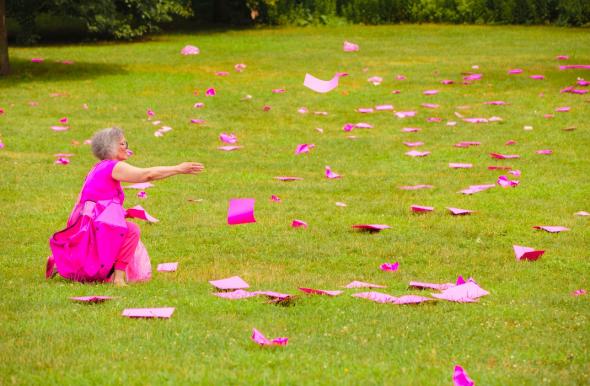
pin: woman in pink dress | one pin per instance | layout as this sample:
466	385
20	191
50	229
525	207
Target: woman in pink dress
101	191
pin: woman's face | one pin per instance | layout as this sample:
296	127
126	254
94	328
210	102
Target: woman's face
122	150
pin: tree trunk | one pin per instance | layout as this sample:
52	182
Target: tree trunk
4	65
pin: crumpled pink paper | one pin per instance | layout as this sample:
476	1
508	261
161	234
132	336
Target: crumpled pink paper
190	50
463	293
389	266
228	138
504	182
330	174
415	153
421	209
350	47
260	339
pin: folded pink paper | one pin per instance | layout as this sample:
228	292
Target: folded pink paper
298	224
579	292
414	144
467	144
273	295
575	67
375	80
384	107
415	153
434	286
365	110
304	148
405	114
537	77
360	284
168	267
319	292
447	81
140	186
459	212
460	377
476	189
321	86
235	295
389	266
62	161
515	71
416	187
551	229
231	283
371	227
350	47
241	211
412	299
138	212
91	299
421	209
60	128
430	92
376	297
499	167
431	106
467	292
475	120
453	165
330	174
228	138
261	340
504	156
526	253
504	182
229	148
240	67
275	198
287	178
165	312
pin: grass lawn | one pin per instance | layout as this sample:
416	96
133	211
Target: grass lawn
529	330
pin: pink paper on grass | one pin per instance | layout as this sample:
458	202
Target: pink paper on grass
236	295
421	209
434	286
460	377
551	229
350	47
62	161
363	125
405	114
190	50
499	167
504	156
230	283
240	67
168	267
261	340
287	178
476	189
447	81
229	148
222	73
476	120
472	77
579	292
304	148
279	91
526	253
228	138
413	144
360	284
416	187
375	80
504	182
319	292
537	77
375	296
91	299
37	60
341	204
468	292
60	128
198	121
210	92
330	174
434	119
515	71
459	212
371	227
389	266
384	108
431	106
415	153
140	186
273	295
365	110
411	129
321	86
515	173
430	92
575	67
454	165
582	213
241	211
495	103
165	312
298	224
275	198
412	299
467	143
138	212
544	152
564	109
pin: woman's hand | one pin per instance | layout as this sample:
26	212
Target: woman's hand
190	168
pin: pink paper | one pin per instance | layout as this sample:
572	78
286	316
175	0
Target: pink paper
384	107
279	91
416	187
582	213
515	71
222	73
515	173
266	108
299	224
241	211
400	77
240	67
476	189
415	153
575	67
91	299
544	152
330	174
476	120
375	80
562	57
460	377
142	195
447	81
431	106
350	47
412	299
371	227
190	50
60	128
138	212
229	148
411	129
365	110
537	77
579	292
526	253
468	292
376	297
564	109
421	209
340	204
273	295
405	114
230	283
321	86
434	119
413	144
472	77
165	312
235	295
504	182
360	284
434	286
37	60
275	198
460	165
499	167
168	267
228	138
430	92
495	103
551	229
319	292
459	212
504	156
210	92
363	125
260	339
304	148
389	266
62	161
467	144
287	178
140	186
198	121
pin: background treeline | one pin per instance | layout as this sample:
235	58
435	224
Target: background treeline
30	20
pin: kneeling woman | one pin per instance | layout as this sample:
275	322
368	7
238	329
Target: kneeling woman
98	243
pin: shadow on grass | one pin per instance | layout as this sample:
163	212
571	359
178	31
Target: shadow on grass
22	71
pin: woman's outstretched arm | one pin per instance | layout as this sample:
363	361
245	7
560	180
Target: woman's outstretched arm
127	173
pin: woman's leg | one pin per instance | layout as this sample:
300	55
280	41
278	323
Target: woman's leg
126	253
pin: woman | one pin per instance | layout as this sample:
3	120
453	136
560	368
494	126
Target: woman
98	217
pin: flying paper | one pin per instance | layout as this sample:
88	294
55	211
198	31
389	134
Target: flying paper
360	284
260	339
526	253
231	283
376	297
241	211
138	212
167	267
319	292
551	229
321	86
165	312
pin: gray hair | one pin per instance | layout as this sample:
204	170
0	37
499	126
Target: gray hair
105	143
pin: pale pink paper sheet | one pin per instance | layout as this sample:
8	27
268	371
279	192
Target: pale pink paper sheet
454	165
164	312
376	297
416	153
190	50
416	187
230	283
468	292
319	292
527	253
434	286
138	212
229	147
168	267
260	339
504	182
304	148
459	212
551	229
412	299
241	211
472	189
236	295
228	138
360	284
287	178
350	47
330	174
322	86
414	144
411	129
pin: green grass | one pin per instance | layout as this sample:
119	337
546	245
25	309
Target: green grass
529	330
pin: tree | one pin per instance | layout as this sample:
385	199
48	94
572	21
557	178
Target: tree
4	64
